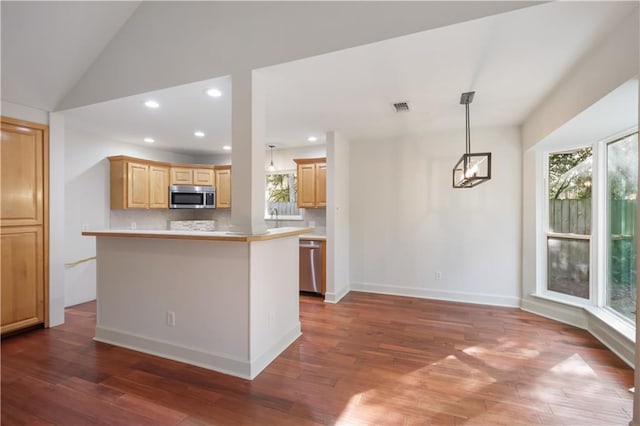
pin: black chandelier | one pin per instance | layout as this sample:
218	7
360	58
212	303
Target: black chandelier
472	169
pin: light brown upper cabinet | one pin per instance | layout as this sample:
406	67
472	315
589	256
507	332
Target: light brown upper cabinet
181	176
312	182
24	222
184	175
223	187
204	177
158	187
138	184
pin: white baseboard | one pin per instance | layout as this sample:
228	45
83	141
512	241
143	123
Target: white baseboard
276	349
617	342
566	314
588	319
336	297
211	361
451	296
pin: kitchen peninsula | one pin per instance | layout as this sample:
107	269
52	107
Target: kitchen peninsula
219	300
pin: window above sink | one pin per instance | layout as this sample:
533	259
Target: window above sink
280	196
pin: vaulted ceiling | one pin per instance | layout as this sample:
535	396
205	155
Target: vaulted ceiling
327	66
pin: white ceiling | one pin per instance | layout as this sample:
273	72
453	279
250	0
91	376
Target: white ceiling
512	61
61	38
183	110
617	110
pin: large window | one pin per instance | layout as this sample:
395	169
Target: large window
622	225
592	242
569	224
281	196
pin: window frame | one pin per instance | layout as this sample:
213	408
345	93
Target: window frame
543	284
605	228
598	246
267	213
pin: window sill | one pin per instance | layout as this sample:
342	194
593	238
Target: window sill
549	298
624	328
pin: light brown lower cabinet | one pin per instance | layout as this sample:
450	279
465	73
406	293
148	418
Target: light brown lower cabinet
22	277
24	221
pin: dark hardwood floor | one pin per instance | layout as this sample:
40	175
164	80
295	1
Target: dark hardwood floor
370	360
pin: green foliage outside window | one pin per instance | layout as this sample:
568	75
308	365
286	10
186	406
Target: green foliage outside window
570	175
622	211
278	187
281	199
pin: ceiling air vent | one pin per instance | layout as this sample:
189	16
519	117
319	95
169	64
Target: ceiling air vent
401	107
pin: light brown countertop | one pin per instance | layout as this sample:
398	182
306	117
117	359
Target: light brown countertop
271	234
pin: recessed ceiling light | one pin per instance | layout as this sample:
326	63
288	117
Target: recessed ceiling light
198	134
214	93
226	148
151	104
149	140
312	139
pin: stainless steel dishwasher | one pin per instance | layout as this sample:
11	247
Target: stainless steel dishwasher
310	266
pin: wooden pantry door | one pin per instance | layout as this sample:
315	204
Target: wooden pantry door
24	217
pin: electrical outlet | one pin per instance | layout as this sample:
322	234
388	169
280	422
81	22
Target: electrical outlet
84	227
133	225
171	318
438	275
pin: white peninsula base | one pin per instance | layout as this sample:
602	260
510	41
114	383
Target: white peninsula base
226	304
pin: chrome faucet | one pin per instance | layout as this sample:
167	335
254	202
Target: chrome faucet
275	211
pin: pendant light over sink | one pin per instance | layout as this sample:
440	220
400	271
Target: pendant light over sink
473	168
271	167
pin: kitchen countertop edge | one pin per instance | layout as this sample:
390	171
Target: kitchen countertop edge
313	237
272	234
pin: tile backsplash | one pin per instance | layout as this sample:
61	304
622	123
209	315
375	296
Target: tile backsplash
160	218
146	219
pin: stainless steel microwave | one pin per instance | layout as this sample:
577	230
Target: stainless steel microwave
192	197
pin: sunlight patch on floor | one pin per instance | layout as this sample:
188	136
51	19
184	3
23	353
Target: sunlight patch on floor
449	372
475	377
574	366
505	346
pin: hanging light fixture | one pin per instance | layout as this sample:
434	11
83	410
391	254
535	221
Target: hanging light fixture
471	169
271	167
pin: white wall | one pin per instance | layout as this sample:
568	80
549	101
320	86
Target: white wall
338	200
22	112
235	303
407	222
56	219
86	202
274	306
608	65
219	159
